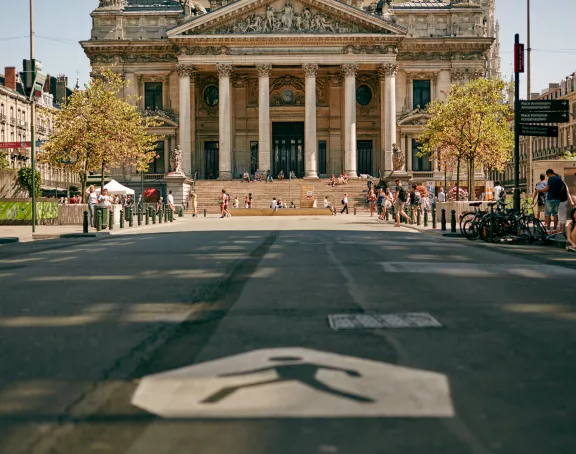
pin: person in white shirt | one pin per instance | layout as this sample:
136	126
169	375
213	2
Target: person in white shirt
328	205
345	204
92	202
441	195
539	198
171	202
498	192
274	204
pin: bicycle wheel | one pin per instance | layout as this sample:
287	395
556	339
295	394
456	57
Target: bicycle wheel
500	227
536	229
470	230
467	216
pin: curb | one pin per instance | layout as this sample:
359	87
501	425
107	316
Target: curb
84	235
8	240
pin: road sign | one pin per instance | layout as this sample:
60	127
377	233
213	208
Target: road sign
295	383
519	58
538	131
544	116
545	105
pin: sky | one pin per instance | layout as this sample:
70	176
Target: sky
60	24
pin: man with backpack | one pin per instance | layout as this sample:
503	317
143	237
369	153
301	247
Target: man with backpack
400	199
539	198
555	191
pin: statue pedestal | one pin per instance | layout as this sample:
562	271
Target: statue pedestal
180	185
401	175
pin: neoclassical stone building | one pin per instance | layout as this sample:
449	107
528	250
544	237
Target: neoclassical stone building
313	86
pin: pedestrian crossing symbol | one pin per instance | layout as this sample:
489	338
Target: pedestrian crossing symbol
294	382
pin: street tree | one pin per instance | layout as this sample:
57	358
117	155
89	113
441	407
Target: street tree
471	127
98	130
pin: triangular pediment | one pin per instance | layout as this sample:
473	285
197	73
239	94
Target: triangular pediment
265	17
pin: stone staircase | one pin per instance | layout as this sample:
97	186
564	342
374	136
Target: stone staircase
209	192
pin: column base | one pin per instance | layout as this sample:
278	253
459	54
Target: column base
225	176
352	174
311	176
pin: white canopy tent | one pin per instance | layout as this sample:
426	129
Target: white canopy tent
116	188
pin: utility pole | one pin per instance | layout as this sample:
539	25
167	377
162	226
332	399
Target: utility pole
529	90
518	68
32	121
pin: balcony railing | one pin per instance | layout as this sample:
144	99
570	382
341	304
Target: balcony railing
2	118
418	174
41	130
12	121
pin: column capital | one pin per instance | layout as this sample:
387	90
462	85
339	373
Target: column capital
264	70
388	70
350	69
186	70
224	69
310	69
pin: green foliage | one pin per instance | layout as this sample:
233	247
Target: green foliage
4	163
24	180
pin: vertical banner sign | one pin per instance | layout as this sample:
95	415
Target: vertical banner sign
518	58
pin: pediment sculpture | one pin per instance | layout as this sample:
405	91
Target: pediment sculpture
112	4
287	20
191	8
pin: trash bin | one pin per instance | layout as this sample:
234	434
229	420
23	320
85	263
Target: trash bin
100	217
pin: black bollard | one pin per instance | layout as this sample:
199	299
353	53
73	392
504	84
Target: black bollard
418	216
139	217
443	220
122	220
153	211
181	212
453	221
111	218
98	220
387	215
426	218
130	217
147	215
434	217
204	212
166	214
354	211
160	215
85	222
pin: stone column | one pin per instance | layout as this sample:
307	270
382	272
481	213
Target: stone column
185	73
390	71
264	116
310	144
350	161
225	120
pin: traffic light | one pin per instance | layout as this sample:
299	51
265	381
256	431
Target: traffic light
34	78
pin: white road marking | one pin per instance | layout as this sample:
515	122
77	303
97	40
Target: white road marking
295	383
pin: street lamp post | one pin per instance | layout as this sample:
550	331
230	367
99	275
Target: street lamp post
528	89
32	122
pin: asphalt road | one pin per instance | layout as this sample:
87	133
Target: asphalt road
90	331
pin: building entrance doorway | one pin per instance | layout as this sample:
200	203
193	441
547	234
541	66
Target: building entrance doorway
211	160
364	152
288	148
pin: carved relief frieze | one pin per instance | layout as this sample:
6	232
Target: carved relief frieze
252	92
203	50
291	19
133	58
419	56
370	50
464	74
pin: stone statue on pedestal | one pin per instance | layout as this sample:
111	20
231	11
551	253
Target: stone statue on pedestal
398	158
176	160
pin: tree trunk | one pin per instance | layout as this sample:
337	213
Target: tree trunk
102	177
458	180
472	190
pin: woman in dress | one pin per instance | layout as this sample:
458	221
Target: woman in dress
372	202
194	198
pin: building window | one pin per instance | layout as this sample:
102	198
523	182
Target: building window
211	95
153	95
157	166
322	157
420	93
363	95
420	164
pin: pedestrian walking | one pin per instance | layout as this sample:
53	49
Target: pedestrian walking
441	195
539	198
171	202
400	199
372	202
194	198
554	188
225	203
92	202
345	204
381	202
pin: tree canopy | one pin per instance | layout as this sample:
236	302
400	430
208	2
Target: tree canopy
471	126
97	130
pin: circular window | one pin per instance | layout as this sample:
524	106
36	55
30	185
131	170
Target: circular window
211	96
287	95
363	95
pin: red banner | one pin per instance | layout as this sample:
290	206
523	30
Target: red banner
14	144
519	58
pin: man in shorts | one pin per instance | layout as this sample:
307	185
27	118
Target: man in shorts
400	199
554	188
